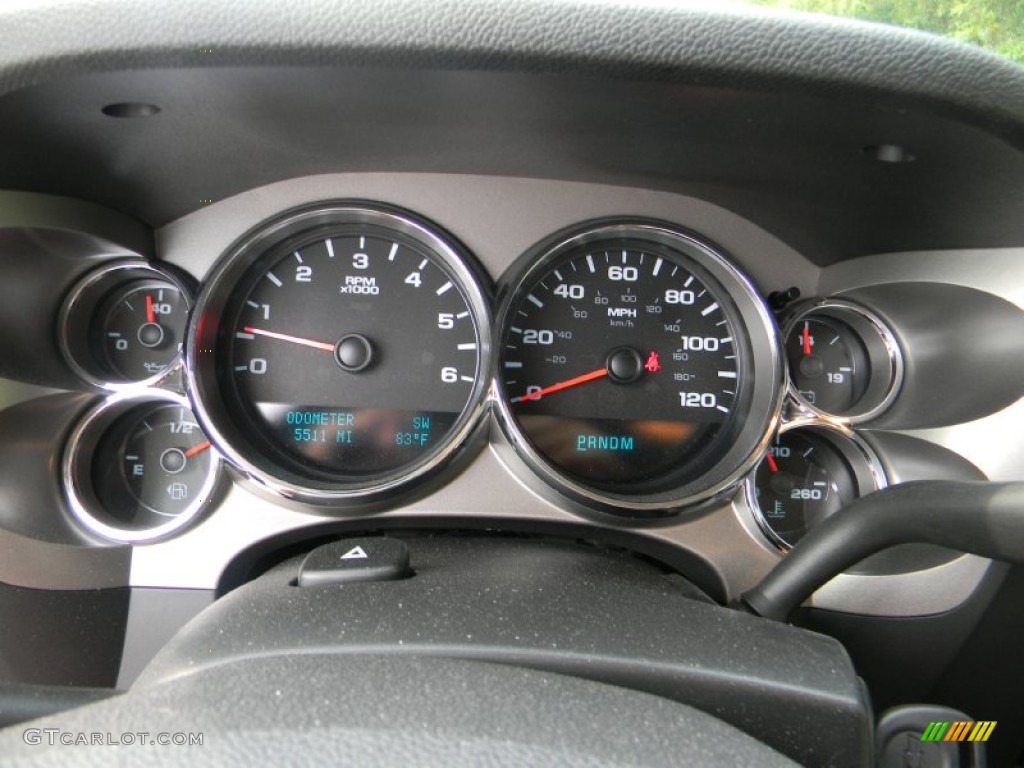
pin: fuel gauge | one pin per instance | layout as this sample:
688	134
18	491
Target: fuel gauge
147	469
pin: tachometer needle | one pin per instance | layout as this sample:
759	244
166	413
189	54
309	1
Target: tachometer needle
324	345
150	314
197	449
600	372
807	338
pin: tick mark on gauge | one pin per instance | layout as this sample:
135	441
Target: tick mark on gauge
535	300
421	266
515	330
393	251
467	378
558	274
298	258
465	347
362	243
274	279
511	364
330	247
444	288
590	263
461	315
253	304
709	309
657	266
727	374
722	408
688	282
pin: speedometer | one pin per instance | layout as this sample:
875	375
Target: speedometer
339	352
638	369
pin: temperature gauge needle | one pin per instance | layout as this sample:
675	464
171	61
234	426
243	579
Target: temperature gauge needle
324	345
197	449
150	314
807	339
599	373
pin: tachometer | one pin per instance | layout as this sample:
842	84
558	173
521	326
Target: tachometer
638	369
339	352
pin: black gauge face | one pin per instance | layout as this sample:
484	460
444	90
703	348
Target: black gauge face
802	480
623	363
139	330
828	364
350	353
150	472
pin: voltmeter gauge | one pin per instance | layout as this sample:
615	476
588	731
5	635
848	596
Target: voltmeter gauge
140	468
844	362
808	473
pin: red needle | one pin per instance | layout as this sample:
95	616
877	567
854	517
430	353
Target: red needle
562	385
150	314
807	338
196	449
324	345
768	457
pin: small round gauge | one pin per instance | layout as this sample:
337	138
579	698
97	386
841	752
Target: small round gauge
843	361
141	329
124	323
637	369
339	353
140	468
807	474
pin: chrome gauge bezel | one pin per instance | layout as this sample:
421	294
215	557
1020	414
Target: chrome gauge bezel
262	473
76	466
765	366
885	357
77	315
864	464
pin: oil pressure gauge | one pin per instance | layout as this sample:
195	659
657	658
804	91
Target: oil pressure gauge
124	324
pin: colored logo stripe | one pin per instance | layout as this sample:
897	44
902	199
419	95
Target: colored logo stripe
959	730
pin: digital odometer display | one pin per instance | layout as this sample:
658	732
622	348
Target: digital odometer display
624	361
349	353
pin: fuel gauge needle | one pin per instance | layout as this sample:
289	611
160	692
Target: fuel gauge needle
807	338
324	345
197	449
150	314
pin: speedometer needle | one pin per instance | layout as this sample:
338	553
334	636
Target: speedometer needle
324	345
600	372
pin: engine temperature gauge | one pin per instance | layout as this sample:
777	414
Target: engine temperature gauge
807	474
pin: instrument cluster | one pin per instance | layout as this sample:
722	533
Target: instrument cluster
342	354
